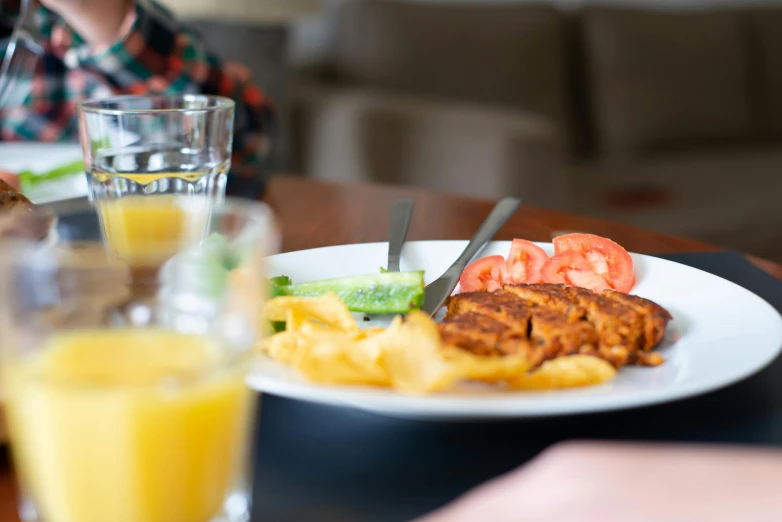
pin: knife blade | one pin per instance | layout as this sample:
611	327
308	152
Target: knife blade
401	213
438	291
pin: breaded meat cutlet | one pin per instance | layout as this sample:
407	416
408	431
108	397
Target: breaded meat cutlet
655	317
482	335
550	321
17	218
550	332
619	327
499	305
11	199
551	297
560	337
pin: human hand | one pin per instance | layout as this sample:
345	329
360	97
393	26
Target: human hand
99	22
585	482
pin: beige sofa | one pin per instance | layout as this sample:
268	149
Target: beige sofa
669	119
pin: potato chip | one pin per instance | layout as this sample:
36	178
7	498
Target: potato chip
414	357
490	369
284	346
566	372
335	360
365	333
298	321
327	310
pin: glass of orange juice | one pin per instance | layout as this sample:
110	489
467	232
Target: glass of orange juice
138	413
153	164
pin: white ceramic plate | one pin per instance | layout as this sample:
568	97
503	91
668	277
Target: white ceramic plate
721	333
42	157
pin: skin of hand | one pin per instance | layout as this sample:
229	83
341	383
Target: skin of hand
610	482
99	22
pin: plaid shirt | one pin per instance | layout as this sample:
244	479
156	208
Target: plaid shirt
157	56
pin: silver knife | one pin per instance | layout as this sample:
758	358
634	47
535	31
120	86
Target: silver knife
401	213
438	291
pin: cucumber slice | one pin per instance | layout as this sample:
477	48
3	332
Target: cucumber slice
386	293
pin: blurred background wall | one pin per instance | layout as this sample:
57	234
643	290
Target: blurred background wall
661	113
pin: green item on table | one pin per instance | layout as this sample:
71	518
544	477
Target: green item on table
28	178
385	293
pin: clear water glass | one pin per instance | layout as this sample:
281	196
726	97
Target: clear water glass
156	166
152	145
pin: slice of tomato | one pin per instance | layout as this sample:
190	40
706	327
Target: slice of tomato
524	262
608	259
487	273
572	268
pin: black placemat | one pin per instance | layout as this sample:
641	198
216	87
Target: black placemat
318	463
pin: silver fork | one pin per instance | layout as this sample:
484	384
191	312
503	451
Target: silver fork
438	291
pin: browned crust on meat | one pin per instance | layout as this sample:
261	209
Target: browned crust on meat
17	220
655	317
553	297
625	325
482	335
561	337
619	327
548	321
10	199
500	306
26	225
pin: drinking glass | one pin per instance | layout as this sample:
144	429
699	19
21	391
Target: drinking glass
23	45
139	412
165	153
136	145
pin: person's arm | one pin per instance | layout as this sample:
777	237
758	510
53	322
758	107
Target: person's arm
612	482
139	48
99	23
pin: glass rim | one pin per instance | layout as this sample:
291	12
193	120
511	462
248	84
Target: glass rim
96	106
17	250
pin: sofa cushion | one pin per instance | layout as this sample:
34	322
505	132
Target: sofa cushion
441	145
502	55
666	79
766	29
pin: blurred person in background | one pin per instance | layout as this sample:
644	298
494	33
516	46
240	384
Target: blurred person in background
614	482
99	48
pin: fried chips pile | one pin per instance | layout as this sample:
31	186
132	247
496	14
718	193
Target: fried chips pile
323	341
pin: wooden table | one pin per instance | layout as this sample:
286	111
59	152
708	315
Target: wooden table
314	214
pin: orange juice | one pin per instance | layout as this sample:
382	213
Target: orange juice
147	230
129	426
